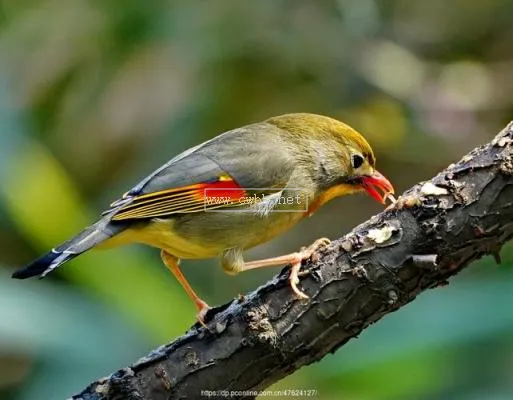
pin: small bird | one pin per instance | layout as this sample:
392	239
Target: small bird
231	193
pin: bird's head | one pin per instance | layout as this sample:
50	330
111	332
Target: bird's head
340	159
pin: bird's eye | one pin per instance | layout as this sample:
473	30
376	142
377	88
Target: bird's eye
357	161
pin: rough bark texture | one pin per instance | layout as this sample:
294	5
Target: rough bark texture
434	230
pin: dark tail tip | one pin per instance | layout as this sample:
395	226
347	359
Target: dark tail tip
37	267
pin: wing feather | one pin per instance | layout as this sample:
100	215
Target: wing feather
210	176
194	198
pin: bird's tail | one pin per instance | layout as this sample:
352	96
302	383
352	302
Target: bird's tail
85	240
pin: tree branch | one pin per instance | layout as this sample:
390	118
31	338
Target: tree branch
431	233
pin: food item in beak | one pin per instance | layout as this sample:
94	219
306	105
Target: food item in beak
376	183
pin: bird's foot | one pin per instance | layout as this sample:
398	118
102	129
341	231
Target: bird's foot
318	244
202	311
304	254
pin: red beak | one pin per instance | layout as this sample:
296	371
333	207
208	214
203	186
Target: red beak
376	183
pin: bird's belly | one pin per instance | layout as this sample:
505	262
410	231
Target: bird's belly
161	234
209	234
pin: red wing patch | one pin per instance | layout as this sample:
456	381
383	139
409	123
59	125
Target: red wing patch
224	192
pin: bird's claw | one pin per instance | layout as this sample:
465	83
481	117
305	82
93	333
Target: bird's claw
319	244
294	280
203	309
304	254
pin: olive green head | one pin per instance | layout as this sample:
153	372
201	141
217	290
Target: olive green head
336	153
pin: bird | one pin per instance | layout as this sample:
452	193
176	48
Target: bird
231	193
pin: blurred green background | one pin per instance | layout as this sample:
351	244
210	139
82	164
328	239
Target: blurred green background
96	94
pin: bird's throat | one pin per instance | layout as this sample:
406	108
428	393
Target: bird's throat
329	194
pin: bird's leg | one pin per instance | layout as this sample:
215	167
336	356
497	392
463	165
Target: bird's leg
172	263
294	259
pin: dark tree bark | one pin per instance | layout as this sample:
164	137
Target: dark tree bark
431	233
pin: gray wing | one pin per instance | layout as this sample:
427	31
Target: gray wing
253	157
